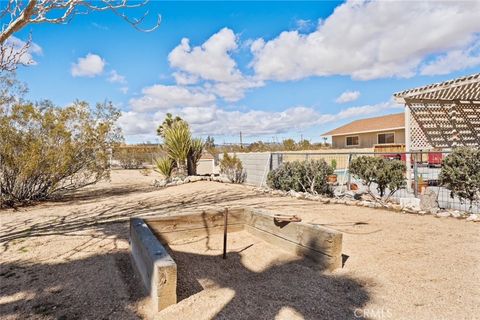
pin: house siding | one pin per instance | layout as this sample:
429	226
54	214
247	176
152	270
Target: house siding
366	140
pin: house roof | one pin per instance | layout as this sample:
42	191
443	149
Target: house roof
464	88
388	122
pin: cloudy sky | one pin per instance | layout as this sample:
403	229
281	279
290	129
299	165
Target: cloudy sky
269	69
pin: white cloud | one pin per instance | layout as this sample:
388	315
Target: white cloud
159	97
124	90
114	77
233	91
211	62
370	39
90	66
453	60
14	45
183	78
348	96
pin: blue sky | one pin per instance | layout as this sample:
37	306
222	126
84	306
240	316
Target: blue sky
269	69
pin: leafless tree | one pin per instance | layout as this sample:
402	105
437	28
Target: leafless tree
16	14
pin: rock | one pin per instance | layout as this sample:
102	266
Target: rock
456	214
349	194
194	178
300	195
433	210
396	207
277	193
474	217
422	212
325	200
428	200
410	202
160	183
442	214
171	184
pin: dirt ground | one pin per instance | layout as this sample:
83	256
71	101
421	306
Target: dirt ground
69	259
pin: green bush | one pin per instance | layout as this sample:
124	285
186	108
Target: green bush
47	151
306	176
128	159
461	174
232	167
164	166
385	173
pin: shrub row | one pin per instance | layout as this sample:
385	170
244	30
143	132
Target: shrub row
305	176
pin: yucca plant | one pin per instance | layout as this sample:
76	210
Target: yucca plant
177	144
164	166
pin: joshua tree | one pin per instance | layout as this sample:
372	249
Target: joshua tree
167	123
184	150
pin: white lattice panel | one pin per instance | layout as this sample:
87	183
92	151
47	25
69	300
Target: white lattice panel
444	124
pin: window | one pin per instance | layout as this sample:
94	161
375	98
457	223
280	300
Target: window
384	138
352	141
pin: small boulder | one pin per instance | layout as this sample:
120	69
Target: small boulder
160	183
443	214
428	200
474	218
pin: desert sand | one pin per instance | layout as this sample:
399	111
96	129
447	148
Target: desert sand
69	259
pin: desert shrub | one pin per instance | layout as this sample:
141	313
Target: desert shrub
164	166
232	167
306	176
46	150
145	172
461	174
384	173
128	159
135	156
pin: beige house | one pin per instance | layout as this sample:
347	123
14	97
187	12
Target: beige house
370	132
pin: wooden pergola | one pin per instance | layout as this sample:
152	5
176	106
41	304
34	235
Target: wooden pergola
442	115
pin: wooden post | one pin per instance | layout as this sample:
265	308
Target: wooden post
349	179
415	175
225	214
408	146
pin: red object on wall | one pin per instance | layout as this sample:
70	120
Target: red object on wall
435	158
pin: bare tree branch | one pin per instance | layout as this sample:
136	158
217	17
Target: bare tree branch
16	14
14	53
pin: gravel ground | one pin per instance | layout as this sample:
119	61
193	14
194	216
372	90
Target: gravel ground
68	259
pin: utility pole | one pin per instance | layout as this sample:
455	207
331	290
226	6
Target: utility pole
241	140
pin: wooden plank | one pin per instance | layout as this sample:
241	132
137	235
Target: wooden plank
204	219
194	234
324	261
315	237
157	269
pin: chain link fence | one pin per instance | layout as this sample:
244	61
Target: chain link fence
423	174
